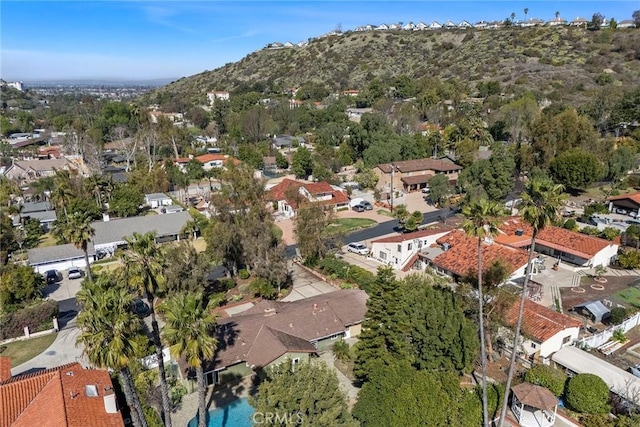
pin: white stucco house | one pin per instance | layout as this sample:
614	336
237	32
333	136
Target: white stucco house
544	330
287	196
157	200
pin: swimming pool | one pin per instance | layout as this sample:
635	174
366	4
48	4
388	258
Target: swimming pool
235	414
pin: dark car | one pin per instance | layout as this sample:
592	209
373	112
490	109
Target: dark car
51	276
366	205
141	308
358	208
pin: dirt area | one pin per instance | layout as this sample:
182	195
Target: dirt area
571	298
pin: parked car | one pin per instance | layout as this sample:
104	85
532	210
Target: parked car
358	248
51	276
425	190
141	308
366	205
74	273
358	208
635	370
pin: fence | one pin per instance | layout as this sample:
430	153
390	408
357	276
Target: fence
600	338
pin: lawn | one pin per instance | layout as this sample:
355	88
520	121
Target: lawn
630	295
346	225
384	212
47	240
21	351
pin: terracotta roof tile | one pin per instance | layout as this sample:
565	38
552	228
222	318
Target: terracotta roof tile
633	196
318	187
540	322
416	179
5	368
205	158
57	397
280	191
568	241
462	257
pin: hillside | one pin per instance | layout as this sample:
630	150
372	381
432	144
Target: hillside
560	62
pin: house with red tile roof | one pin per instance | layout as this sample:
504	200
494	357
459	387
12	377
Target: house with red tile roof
273	331
65	396
288	194
401	250
209	161
412	175
569	246
629	203
456	255
544	330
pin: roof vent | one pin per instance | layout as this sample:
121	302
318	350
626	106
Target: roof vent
70	373
91	390
519	232
446	246
269	311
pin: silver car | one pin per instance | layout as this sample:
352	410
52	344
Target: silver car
75	273
358	248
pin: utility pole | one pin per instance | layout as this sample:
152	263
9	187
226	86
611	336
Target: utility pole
392	170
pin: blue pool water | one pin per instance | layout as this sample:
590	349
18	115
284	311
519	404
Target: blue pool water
235	414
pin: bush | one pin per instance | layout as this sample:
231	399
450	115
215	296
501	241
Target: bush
262	287
243	274
618	335
545	376
38	317
570	224
629	259
223	285
342	351
618	315
588	393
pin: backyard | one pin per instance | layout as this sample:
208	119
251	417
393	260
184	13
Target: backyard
21	351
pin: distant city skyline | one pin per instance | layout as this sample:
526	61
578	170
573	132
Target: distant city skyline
144	40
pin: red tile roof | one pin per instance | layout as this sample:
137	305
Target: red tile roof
58	397
568	241
633	196
5	368
206	158
280	190
423	232
540	322
461	258
319	188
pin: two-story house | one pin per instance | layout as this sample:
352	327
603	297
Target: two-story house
287	196
412	175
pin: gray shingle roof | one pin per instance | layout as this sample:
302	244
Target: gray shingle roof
156	196
115	231
35	207
45	216
57	253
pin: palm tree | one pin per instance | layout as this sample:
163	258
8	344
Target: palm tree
482	222
191	227
94	185
111	336
78	231
61	196
144	263
513	17
190	331
557	15
526	11
542	201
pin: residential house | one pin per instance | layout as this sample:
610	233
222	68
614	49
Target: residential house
350	92
481	25
111	234
395	27
409	27
273	331
533	22
464	25
59	257
565	245
557	22
157	200
629	203
42	211
457	256
286	141
289	194
420	26
288	44
627	23
382	27
217	94
28	171
64	396
209	161
294	103
412	175
545	331
449	25
401	250
495	25
172	117
579	22
435	26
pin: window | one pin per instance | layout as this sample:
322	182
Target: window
566	339
533	345
335	336
399	248
383	255
410	246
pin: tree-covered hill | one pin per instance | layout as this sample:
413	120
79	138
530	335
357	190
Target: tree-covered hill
561	63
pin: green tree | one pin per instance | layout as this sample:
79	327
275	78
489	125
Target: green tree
439	189
190	331
550	378
126	200
482	222
493	177
78	231
19	284
588	393
385	331
194	170
540	207
310	228
302	163
281	161
620	162
632	233
305	394
61	196
144	261
629	259
111	336
576	169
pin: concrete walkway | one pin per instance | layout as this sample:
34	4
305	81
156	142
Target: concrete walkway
345	383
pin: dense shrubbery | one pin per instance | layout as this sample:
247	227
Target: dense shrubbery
629	259
340	269
38	317
550	378
588	393
618	315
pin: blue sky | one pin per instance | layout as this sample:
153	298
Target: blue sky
167	39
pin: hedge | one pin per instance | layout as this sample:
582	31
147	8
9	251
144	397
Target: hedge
38	318
330	265
550	378
588	393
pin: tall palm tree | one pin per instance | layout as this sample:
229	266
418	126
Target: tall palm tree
61	196
144	263
526	11
482	218
111	336
190	331
78	231
542	201
94	185
557	15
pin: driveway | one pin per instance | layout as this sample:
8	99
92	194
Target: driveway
365	262
306	284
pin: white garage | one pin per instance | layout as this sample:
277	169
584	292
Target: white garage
60	257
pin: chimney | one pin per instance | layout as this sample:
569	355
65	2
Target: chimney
315	307
269	311
110	405
5	368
